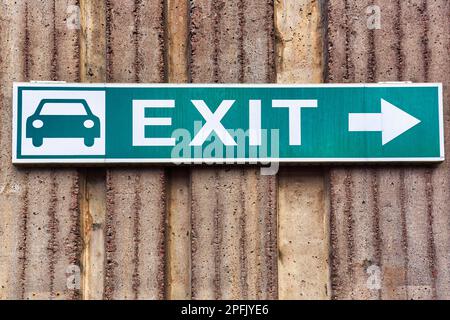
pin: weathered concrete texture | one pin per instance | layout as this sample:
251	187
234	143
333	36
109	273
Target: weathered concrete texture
92	216
92	181
92	41
233	235
392	218
303	235
136	203
179	193
12	181
303	264
299	41
135	235
179	235
39	221
177	17
233	210
439	70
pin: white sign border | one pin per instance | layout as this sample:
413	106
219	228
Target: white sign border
303	161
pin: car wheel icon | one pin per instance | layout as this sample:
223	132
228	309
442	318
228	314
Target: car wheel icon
63	118
38	141
89	142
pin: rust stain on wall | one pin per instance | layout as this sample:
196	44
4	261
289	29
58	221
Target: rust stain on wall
92	199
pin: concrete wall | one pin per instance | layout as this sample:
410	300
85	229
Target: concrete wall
396	218
222	232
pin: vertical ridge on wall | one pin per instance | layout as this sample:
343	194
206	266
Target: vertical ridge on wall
136	198
387	51
178	235
92	181
178	208
383	220
303	241
439	69
354	211
420	256
13	186
53	227
232	230
46	222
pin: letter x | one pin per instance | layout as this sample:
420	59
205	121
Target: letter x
213	123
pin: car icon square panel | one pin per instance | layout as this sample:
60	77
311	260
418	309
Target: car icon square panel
63	118
65	122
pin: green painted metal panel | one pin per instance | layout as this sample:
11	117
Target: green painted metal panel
161	123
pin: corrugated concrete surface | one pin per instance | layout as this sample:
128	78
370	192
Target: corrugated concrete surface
222	232
39	226
303	245
234	209
92	181
394	219
178	258
135	198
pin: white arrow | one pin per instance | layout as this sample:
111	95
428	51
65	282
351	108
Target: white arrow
391	122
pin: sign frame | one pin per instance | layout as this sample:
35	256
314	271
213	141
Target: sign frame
195	161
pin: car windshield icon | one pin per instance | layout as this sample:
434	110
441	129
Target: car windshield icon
63	118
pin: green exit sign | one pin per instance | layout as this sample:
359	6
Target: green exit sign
212	123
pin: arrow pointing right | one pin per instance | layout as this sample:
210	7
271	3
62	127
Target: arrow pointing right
392	122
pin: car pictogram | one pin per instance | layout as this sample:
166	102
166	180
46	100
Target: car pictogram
63	118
